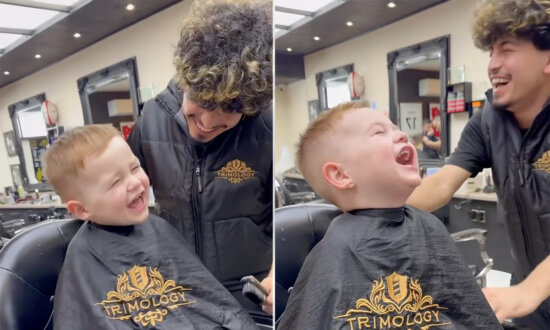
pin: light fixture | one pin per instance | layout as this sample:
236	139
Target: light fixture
6	73
391	4
316	38
349	23
289	49
130	7
37	56
77	35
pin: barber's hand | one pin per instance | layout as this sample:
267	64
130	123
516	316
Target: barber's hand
267	283
511	302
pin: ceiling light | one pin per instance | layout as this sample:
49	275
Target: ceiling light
310	5
391	4
37	56
20	17
77	35
6	73
289	49
130	7
349	23
316	38
286	19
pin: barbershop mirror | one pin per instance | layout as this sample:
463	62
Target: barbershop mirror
417	77
332	86
31	135
110	95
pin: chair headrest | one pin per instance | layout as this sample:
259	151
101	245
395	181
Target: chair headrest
29	267
298	228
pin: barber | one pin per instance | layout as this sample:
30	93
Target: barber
511	136
206	140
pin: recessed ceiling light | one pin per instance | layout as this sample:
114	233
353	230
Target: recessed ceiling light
77	35
349	23
316	38
37	56
6	73
391	4
130	7
289	49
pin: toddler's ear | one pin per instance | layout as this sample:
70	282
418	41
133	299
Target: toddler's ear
78	210
337	176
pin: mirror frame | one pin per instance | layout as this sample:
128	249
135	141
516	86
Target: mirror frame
438	44
36	100
101	77
322	77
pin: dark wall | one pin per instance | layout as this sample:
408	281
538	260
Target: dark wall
100	112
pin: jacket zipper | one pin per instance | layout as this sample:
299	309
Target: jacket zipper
196	209
519	204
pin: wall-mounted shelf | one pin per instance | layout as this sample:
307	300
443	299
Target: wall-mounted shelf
459	97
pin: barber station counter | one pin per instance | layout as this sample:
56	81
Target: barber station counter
481	210
16	216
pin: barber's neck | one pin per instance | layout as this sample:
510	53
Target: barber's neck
526	111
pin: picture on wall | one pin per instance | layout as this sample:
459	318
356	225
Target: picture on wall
16	175
313	109
9	140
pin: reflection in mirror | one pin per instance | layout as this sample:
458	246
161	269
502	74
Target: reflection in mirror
417	76
110	96
332	86
31	140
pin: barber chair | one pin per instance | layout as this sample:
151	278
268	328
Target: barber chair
299	227
29	266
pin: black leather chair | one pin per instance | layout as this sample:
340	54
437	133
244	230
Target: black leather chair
29	266
299	227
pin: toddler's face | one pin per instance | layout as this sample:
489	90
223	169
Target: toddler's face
115	188
376	153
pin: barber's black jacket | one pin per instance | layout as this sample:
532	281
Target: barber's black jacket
220	201
520	162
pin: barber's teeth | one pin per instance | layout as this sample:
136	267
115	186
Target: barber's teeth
498	81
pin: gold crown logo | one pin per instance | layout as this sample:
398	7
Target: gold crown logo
144	296
236	171
384	308
543	163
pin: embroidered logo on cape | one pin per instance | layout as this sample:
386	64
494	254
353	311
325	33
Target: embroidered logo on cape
143	296
543	163
236	171
399	305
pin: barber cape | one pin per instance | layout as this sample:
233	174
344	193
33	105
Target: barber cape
386	269
140	277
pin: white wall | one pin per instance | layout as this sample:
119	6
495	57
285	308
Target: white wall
368	54
151	41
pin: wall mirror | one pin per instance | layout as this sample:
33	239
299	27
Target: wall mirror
31	135
332	86
110	95
417	77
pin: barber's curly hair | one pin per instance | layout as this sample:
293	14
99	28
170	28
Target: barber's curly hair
224	56
529	19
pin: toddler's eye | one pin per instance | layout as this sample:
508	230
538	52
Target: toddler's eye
135	168
116	182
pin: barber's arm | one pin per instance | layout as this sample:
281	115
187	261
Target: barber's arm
267	283
438	189
521	299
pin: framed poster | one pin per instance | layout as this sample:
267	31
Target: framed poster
313	109
16	175
9	140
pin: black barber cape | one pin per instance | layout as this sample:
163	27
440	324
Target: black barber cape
140	277
386	269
